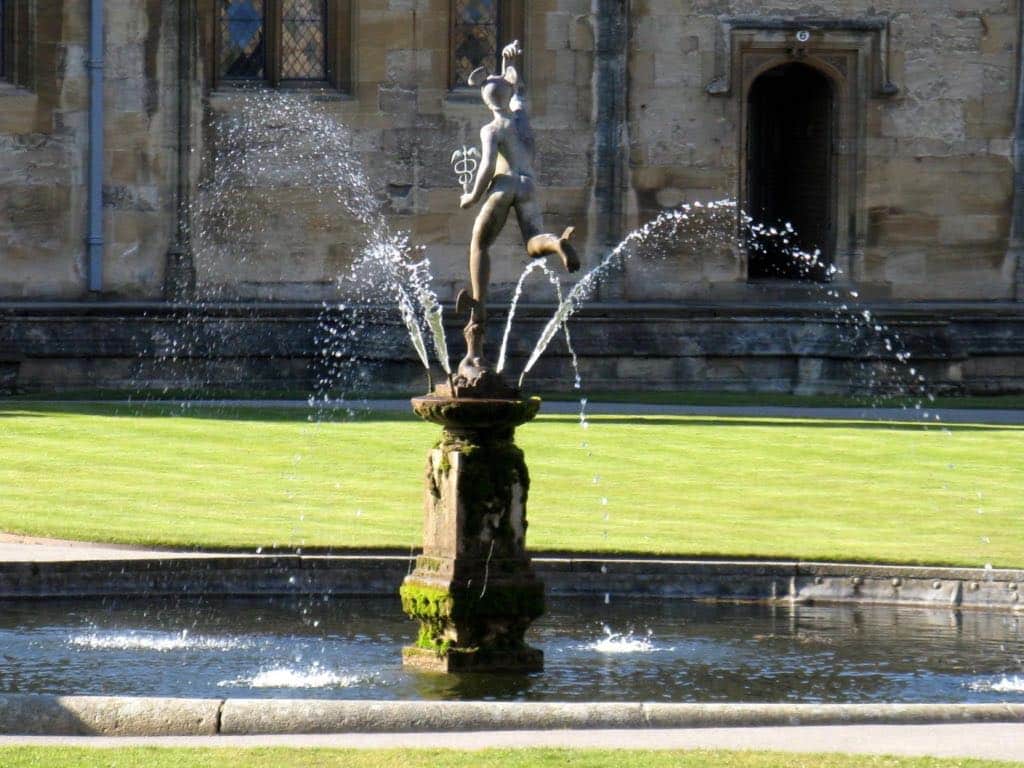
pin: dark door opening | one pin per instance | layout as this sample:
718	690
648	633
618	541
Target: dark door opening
789	169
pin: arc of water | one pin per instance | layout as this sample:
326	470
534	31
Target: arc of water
580	292
557	283
324	155
587	285
512	311
433	313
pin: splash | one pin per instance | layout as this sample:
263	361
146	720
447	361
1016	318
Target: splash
613	642
1006	684
160	642
314	676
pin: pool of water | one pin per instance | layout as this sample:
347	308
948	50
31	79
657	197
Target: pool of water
627	650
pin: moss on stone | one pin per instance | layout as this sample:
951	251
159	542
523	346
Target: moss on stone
488	475
426	563
425	602
432	604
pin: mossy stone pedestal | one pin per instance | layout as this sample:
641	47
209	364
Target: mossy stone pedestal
473	589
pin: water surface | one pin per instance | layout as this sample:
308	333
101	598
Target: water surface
627	650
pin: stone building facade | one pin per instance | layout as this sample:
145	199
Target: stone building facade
889	133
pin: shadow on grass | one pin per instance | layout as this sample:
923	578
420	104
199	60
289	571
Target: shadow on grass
209	412
330	416
786	423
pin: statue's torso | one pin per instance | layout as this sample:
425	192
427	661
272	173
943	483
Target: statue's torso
515	146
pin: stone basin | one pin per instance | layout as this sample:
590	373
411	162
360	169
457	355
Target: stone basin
476	413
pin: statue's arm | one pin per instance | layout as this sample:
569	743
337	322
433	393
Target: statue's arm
508	55
488	164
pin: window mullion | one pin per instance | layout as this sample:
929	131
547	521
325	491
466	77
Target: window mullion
339	42
274	9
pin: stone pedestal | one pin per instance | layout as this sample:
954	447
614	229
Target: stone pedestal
473	589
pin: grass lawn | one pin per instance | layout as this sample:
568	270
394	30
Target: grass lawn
48	757
214	477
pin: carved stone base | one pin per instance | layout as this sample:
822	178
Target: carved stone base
523	660
473	589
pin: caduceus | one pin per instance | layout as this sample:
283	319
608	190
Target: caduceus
464	162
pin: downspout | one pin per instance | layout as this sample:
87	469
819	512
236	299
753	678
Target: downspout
94	238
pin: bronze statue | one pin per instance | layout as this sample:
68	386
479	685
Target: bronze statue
504	180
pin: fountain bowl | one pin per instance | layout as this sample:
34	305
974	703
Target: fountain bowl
476	413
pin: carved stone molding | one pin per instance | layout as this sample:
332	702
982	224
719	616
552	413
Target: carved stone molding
798	38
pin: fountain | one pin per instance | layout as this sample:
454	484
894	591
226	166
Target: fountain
473	589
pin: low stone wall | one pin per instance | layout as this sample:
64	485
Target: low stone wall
380	575
781	347
45	715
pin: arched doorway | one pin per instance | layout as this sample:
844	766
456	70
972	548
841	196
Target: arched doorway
789	167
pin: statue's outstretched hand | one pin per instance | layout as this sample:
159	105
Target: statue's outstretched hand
511	50
466	201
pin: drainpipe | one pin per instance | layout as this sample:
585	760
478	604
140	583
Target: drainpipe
94	239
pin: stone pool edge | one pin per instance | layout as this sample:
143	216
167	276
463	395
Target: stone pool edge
380	575
47	715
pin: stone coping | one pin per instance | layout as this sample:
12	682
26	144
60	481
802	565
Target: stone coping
47	715
172	574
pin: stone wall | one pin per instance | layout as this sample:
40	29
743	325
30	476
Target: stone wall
44	153
932	161
636	107
930	185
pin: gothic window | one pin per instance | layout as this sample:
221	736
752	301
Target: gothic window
293	42
479	30
16	43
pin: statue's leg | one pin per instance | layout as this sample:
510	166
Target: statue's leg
489	222
538	244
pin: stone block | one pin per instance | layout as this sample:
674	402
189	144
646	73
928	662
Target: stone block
556	30
974	229
895	227
107	716
1001	33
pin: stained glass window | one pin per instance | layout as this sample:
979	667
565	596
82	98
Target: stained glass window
243	40
476	32
303	47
